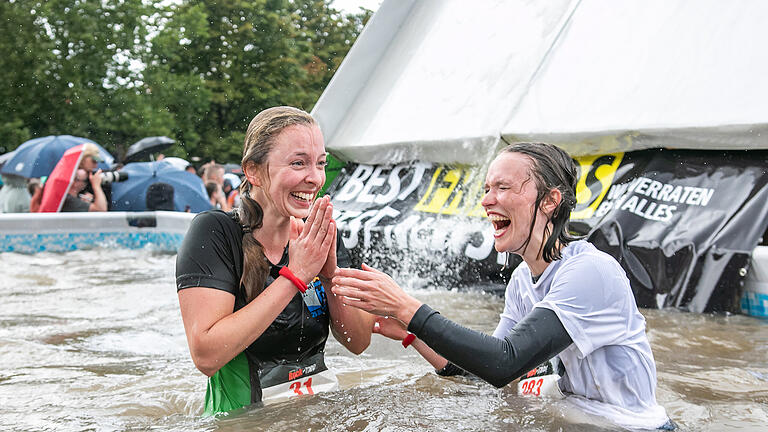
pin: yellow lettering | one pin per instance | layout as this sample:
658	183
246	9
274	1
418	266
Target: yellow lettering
596	177
453	191
440	194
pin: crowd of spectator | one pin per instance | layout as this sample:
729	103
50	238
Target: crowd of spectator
86	192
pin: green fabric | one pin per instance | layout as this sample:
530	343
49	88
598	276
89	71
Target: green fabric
229	388
332	170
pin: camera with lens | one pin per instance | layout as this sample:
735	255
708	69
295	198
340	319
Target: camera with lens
108	177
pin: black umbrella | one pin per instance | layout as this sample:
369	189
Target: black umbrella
145	147
233	168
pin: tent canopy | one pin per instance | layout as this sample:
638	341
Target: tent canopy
445	81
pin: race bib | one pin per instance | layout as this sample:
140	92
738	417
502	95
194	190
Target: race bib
542	381
288	380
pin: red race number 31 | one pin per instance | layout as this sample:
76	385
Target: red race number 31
296	387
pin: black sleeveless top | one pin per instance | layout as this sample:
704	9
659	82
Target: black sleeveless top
212	256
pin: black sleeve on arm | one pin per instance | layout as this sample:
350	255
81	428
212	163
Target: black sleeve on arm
451	370
538	337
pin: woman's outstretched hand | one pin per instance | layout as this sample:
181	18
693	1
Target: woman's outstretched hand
375	292
310	243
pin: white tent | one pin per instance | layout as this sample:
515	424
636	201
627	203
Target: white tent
445	80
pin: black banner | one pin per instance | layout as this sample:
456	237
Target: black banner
681	223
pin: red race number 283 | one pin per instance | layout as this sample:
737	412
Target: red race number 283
532	387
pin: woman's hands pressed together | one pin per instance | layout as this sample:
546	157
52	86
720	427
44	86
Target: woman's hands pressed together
312	241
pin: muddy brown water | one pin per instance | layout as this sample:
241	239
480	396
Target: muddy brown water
93	340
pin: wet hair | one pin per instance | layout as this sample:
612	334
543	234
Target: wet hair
259	141
551	168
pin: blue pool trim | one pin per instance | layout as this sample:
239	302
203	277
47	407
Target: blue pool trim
69	241
755	304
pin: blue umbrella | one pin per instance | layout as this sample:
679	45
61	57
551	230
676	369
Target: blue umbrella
5	157
131	194
37	157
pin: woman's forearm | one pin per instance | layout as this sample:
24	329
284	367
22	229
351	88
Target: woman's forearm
214	342
436	360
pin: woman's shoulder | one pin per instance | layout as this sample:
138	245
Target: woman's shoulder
215	217
592	270
582	252
212	225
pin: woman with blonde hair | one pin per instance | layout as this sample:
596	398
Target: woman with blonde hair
251	282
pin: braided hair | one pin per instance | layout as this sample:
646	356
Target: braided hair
259	141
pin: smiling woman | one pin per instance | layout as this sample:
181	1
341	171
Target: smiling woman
250	282
567	303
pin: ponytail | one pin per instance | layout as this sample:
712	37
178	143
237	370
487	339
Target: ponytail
255	266
259	139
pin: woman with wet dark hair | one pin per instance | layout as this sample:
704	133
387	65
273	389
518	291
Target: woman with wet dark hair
251	282
566	301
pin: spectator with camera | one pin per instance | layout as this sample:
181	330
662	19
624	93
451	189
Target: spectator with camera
77	201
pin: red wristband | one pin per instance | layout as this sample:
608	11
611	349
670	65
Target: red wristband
410	337
288	274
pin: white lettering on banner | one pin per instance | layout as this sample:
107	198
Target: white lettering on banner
381	186
375	180
354	183
354	228
617	191
642	182
402	229
342	216
481	252
394	186
366	181
385	212
415	232
630	197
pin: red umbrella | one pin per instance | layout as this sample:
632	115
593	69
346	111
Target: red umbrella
60	180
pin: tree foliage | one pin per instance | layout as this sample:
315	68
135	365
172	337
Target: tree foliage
119	70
